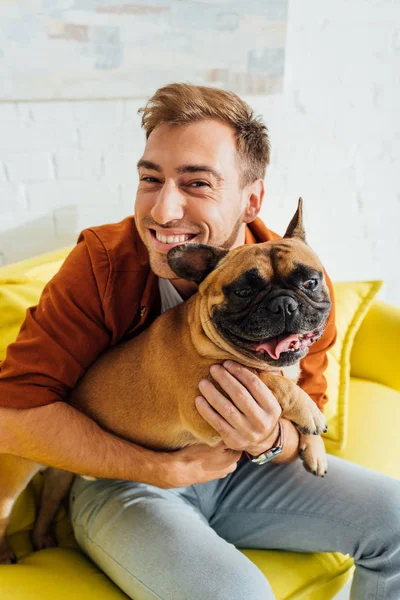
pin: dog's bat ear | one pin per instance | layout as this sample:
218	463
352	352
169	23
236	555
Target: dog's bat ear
194	262
295	227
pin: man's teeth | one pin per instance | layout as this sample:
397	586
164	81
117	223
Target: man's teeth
173	239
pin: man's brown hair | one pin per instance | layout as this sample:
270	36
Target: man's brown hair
182	103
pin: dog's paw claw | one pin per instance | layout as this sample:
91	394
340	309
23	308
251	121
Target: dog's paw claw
312	453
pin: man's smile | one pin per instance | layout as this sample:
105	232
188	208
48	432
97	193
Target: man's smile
162	242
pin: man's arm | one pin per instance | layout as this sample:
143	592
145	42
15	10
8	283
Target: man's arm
63	335
61	436
58	341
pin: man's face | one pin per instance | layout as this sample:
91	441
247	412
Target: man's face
189	184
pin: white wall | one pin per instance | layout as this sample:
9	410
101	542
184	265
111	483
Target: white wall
335	135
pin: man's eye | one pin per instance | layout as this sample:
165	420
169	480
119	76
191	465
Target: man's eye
244	293
310	284
149	179
199	184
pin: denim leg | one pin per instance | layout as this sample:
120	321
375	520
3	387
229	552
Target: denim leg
156	543
352	510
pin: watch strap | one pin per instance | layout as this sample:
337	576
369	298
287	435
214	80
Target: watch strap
272	453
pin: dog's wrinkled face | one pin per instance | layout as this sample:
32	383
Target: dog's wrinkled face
269	301
277	307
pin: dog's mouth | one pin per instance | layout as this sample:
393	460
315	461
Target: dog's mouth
293	344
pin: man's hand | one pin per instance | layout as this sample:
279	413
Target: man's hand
197	464
250	420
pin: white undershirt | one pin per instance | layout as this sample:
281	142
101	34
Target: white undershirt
169	295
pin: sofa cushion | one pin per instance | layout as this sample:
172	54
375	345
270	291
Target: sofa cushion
352	301
372	440
375	354
21	286
56	573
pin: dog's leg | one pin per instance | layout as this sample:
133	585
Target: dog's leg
312	453
15	474
55	487
297	406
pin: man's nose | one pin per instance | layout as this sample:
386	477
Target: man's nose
169	205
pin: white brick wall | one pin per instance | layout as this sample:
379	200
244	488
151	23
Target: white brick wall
335	135
38	166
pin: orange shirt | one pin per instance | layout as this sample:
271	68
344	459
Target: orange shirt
104	293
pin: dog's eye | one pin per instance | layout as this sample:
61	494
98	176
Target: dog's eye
310	284
244	293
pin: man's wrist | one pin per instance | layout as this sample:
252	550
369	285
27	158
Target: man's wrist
290	449
270	442
159	469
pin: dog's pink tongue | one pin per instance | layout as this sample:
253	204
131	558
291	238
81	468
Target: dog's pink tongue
277	345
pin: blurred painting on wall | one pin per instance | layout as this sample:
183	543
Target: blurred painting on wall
95	49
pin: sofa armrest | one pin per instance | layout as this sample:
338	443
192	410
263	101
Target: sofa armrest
375	352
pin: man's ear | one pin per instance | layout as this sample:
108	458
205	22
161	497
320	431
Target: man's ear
254	201
194	262
295	227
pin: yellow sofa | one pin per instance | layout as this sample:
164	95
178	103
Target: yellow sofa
362	432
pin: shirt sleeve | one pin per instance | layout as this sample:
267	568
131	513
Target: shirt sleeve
63	334
313	365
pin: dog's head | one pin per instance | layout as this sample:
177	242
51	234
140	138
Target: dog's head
269	301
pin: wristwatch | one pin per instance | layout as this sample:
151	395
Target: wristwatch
273	452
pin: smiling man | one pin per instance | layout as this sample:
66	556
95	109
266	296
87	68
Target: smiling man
198	187
169	525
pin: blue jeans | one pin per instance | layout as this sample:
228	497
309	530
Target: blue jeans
181	543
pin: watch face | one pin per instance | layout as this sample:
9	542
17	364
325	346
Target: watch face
267	456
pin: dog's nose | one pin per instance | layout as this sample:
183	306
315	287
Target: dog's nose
286	304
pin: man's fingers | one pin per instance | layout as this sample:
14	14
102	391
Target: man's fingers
257	388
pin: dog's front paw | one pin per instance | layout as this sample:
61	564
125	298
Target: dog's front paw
7	556
309	420
312	453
